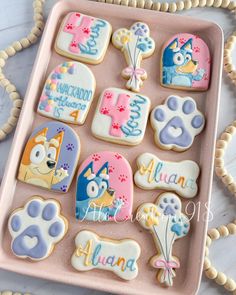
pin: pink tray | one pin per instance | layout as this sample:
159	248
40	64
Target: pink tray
13	193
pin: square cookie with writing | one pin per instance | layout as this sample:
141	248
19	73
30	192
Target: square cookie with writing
121	116
50	157
117	256
83	38
154	173
68	93
104	188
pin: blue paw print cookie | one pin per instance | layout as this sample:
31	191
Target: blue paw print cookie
176	123
36	228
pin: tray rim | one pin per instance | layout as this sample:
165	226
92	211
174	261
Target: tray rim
7	174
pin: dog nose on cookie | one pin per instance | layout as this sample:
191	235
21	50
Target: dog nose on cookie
195	62
51	164
110	191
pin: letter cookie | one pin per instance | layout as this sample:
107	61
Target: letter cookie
185	63
68	93
136	44
50	157
176	123
121	116
167	223
83	38
154	173
104	188
37	228
94	252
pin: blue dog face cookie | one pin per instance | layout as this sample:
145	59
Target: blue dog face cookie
185	63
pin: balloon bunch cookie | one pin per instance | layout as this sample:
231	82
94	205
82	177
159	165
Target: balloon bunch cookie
136	44
166	223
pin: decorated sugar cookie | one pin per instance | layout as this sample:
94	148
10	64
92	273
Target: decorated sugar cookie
121	116
167	223
83	38
36	228
176	123
136	44
68	93
154	173
104	188
50	157
185	63
117	256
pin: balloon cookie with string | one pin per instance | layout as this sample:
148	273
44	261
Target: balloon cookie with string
167	223
136	44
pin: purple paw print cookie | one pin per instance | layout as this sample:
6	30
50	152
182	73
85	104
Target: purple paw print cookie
176	123
37	228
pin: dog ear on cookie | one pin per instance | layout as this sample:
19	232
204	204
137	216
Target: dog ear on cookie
188	45
41	136
88	171
173	44
104	171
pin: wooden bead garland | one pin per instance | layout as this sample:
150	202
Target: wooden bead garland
10	51
223	231
211	272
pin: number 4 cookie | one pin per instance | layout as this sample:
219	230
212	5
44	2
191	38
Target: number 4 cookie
176	123
84	38
121	116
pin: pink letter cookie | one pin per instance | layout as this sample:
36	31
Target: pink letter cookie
167	223
50	157
68	93
185	63
84	38
104	188
121	116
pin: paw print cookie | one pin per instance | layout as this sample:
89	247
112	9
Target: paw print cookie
83	38
185	63
167	223
136	44
176	123
121	116
36	228
68	93
50	157
117	256
104	188
153	173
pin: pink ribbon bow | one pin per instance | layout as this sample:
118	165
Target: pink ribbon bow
131	71
167	266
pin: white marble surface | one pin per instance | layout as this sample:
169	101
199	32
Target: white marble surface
15	21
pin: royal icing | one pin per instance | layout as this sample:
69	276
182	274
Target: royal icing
176	123
94	252
84	38
154	173
136	44
50	157
185	63
68	93
167	223
36	228
104	188
121	116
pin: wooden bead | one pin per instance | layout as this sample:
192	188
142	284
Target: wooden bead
232	5
2	62
2	135
12	121
209	3
211	273
195	3
226	137
10	50
17	45
148	4
202	3
11	88
219	153
187	4
15	112
228	179
140	3
221	144
4	82
230	129
6	293
124	2
208	241
225	3
207	263
32	38
156	6
132	3
230	285
219	162
39	17
3	54
232	228
7	128
180	5
220	171
25	43
206	251
214	234
232	187
18	103
223	230
172	7
217	3
164	6
14	95
221	278
40	24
